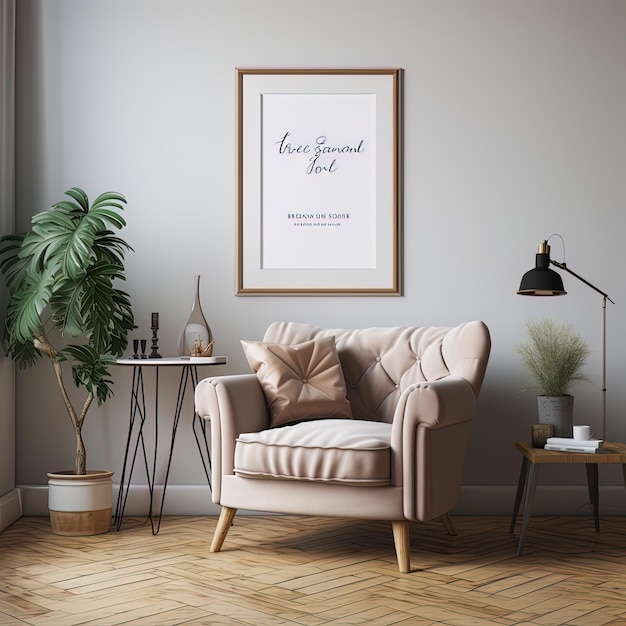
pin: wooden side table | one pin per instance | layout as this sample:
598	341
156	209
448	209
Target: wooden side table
533	458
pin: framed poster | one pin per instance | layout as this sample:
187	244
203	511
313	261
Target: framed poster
319	171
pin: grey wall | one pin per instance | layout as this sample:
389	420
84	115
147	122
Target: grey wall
514	130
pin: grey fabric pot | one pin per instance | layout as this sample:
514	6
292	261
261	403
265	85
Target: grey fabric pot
558	411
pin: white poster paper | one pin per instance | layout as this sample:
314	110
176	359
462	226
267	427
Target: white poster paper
318	201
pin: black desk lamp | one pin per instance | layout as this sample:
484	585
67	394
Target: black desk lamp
543	281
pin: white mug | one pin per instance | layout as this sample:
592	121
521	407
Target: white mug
582	432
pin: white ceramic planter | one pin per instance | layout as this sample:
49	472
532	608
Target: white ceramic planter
80	505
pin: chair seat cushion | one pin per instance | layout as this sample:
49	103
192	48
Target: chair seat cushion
354	452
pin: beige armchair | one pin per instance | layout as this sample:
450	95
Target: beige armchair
365	424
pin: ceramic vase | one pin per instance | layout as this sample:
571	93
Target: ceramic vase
196	338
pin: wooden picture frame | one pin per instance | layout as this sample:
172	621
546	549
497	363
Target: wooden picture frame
319	174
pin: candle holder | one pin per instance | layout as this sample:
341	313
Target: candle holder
143	349
540	433
135	348
155	340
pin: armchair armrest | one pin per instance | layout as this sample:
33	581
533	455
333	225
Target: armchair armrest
428	440
436	404
234	404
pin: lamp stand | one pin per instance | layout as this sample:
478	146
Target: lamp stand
605	297
542	281
604	366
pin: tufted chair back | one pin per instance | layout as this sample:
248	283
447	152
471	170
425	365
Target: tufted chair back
379	364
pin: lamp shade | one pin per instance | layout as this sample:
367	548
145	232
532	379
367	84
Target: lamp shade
542	281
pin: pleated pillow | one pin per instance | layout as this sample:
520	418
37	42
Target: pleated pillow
302	381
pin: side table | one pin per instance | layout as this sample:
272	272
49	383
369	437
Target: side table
138	416
533	458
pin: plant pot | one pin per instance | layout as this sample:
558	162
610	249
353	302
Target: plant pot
80	505
558	411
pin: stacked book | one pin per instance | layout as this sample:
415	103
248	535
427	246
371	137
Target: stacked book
569	444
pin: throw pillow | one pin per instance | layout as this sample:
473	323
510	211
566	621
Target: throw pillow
302	381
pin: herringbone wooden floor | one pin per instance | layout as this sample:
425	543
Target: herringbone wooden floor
311	571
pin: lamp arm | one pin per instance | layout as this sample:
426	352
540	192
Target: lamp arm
563	266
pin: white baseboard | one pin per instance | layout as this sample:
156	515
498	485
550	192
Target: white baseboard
473	500
180	500
10	508
549	500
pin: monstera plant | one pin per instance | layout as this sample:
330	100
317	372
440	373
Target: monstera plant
63	300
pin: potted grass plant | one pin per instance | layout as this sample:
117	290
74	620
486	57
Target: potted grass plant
554	355
64	305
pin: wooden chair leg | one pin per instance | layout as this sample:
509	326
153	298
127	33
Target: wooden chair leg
403	548
223	525
447	524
